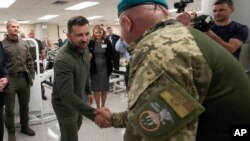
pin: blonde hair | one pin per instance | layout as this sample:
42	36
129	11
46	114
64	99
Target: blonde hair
98	27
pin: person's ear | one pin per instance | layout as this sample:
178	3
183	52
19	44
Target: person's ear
127	23
232	9
68	35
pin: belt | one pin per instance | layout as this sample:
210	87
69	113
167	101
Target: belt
17	74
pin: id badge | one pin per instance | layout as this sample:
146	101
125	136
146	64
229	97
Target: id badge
104	45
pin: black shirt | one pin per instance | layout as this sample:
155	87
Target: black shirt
232	30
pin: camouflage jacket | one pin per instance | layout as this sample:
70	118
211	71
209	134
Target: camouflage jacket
171	50
202	67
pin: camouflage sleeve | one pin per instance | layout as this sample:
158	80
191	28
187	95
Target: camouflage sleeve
119	120
188	133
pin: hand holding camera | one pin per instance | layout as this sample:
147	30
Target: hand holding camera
203	23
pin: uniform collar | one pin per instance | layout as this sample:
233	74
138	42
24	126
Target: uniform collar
12	40
74	49
159	25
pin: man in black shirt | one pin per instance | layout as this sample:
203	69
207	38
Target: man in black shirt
228	33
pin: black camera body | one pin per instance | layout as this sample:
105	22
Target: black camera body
203	23
180	6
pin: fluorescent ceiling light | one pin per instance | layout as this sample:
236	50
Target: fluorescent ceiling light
172	10
47	17
199	12
82	5
94	17
6	3
23	22
20	22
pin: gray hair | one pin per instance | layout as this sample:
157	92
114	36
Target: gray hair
12	21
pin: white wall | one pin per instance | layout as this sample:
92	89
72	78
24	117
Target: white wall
23	28
63	30
240	14
51	30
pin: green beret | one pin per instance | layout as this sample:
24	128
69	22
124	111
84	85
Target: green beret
126	4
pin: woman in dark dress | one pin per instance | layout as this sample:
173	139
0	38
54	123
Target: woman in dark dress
101	65
3	83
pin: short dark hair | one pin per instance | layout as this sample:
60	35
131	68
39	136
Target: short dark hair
228	2
108	28
77	20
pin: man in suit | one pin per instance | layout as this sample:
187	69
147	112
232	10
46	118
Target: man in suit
39	42
114	38
3	84
41	51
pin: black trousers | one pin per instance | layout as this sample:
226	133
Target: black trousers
126	75
1	123
18	86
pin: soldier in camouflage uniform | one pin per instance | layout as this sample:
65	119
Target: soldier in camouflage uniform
171	63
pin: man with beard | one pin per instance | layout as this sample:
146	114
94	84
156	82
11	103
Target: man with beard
228	33
71	70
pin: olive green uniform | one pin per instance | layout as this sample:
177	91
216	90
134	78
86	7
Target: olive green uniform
204	69
18	62
71	70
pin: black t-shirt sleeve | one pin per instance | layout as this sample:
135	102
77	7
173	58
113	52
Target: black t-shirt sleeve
241	33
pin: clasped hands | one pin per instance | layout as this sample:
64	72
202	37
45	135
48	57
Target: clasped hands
102	118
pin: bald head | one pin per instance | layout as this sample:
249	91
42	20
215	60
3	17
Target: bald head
135	21
124	5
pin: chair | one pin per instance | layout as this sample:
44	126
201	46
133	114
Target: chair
117	79
245	58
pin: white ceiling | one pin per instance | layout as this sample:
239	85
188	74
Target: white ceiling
33	9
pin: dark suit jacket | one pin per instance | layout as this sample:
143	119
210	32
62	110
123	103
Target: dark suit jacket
3	73
115	38
109	56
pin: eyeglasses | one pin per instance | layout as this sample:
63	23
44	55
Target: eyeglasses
157	6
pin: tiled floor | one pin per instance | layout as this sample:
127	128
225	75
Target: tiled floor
49	131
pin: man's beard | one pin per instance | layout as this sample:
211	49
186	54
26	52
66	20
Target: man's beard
220	19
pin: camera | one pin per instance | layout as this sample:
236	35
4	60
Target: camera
203	23
180	6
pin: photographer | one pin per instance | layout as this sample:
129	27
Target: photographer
228	33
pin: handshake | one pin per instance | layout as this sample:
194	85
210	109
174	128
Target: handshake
103	117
